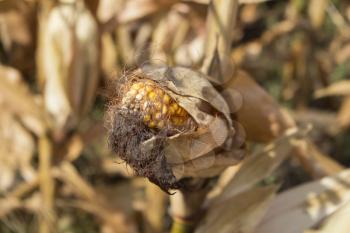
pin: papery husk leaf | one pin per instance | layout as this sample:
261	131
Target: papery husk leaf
197	143
221	20
337	222
70	63
259	166
314	162
261	117
300	208
239	214
337	88
191	154
209	165
17	37
17	149
95	201
15	95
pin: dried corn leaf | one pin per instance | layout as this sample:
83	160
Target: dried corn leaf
337	222
94	201
17	22
314	161
259	166
298	209
15	95
338	88
238	214
343	117
70	63
221	21
7	205
261	117
16	151
317	12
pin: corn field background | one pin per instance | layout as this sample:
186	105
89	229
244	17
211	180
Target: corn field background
281	69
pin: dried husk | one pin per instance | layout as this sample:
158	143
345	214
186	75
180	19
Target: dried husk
17	34
70	63
255	103
303	207
205	151
16	151
17	99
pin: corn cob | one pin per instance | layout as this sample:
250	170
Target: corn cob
157	108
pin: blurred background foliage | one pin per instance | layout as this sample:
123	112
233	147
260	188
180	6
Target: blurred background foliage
58	59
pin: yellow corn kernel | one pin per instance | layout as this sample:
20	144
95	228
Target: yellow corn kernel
173	108
160	124
157	105
160	92
137	86
164	109
152	96
152	124
146	118
166	99
179	111
149	88
158	116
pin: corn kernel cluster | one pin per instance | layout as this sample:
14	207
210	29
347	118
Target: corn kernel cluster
157	108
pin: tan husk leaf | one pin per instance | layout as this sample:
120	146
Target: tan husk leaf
259	166
192	154
202	151
16	151
337	222
337	88
239	214
15	95
300	208
70	63
256	104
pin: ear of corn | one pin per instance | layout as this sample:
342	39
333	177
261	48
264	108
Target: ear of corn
157	108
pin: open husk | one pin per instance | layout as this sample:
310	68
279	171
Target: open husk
166	153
